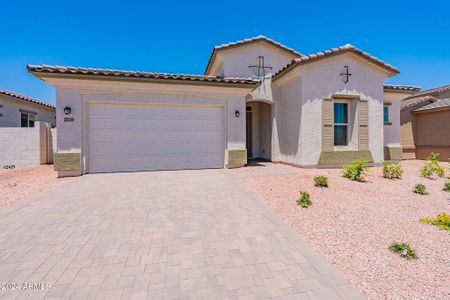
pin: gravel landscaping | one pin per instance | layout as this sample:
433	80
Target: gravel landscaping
23	183
353	223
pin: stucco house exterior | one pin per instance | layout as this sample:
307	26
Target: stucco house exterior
18	110
257	99
425	123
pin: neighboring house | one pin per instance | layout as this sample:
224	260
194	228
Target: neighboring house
425	123
22	111
257	99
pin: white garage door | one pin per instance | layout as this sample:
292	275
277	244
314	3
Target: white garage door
150	137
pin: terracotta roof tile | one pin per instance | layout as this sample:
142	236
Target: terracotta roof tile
397	87
335	51
25	98
51	69
247	41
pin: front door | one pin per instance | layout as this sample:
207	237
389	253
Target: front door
248	141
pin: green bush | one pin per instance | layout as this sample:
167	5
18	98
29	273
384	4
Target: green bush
446	186
442	221
321	181
404	249
304	200
355	170
420	189
392	170
432	166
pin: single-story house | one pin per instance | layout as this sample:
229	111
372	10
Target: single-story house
17	110
425	123
257	99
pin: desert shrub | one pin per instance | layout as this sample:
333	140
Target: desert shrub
304	200
446	186
355	170
432	166
420	189
321	181
392	170
442	221
404	249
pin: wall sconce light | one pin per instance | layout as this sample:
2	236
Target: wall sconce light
67	110
237	113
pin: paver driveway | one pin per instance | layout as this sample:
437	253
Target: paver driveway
171	235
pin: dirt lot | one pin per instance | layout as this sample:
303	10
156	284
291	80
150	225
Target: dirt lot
23	183
353	223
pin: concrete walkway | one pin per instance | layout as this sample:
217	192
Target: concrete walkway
160	235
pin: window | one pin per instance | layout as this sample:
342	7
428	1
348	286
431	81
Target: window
340	123
27	120
386	114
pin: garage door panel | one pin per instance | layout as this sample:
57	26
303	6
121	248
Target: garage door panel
148	137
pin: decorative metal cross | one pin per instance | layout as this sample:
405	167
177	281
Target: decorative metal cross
345	75
261	71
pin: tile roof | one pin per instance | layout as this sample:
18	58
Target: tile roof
335	51
436	90
397	87
68	70
413	101
248	41
25	98
441	103
423	96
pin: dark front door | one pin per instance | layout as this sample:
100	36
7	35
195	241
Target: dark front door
249	133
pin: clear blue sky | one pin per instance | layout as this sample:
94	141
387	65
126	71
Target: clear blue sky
166	36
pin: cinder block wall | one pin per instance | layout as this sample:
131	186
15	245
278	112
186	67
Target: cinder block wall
25	147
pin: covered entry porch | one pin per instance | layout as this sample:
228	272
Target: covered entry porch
259	130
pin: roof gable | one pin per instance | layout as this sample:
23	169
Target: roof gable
245	42
318	56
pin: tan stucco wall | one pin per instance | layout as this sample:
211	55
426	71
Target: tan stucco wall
78	93
10	114
298	106
392	131
433	134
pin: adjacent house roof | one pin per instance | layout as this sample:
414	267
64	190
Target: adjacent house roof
25	98
332	52
248	41
413	101
68	70
406	88
423	96
436	90
438	105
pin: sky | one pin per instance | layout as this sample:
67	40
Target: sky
177	37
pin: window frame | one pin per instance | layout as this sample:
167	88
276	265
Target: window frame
31	119
347	124
386	106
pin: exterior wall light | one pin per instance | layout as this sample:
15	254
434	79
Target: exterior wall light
67	110
237	113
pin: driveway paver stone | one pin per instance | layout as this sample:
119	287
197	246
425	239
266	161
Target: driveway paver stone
150	235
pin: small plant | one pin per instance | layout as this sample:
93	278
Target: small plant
404	250
442	221
420	189
321	181
446	186
392	170
304	200
432	166
355	170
